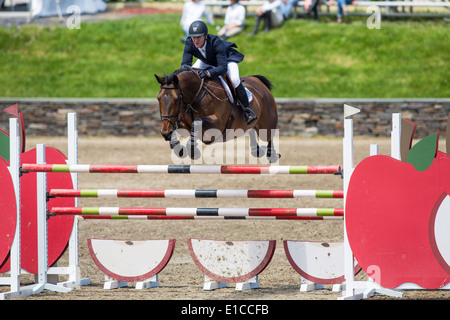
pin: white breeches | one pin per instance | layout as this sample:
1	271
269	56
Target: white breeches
233	70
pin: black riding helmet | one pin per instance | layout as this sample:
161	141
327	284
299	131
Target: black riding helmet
197	28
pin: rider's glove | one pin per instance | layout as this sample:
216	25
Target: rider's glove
202	74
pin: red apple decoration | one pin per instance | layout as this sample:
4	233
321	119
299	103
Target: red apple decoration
8	213
59	228
397	220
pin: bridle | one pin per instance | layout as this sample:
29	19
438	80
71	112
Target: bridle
182	105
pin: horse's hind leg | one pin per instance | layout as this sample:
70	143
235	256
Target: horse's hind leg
255	149
272	154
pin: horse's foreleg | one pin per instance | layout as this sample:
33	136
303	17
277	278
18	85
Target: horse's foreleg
205	129
196	132
176	146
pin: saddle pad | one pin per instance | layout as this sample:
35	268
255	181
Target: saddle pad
228	91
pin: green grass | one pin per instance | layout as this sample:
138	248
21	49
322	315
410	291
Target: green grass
306	59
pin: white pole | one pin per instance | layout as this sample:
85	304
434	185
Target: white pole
374	149
348	169
14	161
41	180
396	136
74	244
72	150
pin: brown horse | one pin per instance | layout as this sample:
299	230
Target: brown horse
188	102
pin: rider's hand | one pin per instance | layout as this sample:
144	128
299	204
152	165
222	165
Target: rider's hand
202	74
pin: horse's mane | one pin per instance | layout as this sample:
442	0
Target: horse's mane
168	78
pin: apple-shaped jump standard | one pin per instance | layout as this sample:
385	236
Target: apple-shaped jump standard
397	218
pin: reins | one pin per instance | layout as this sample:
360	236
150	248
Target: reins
188	106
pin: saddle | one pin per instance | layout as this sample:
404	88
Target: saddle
230	90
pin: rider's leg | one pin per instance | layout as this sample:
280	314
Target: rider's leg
199	64
233	73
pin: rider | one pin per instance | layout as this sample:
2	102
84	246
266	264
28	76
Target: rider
214	58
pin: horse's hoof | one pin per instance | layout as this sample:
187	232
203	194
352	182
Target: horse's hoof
259	152
274	158
174	143
180	151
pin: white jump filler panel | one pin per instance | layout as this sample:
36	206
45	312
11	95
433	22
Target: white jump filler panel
317	262
131	260
439	235
232	261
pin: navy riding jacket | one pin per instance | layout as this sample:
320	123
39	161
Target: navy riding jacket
218	54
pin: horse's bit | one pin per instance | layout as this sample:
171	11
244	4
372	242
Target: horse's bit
182	104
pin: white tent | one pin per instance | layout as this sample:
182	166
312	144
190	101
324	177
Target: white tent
48	8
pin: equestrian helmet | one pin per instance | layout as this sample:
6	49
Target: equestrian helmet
198	28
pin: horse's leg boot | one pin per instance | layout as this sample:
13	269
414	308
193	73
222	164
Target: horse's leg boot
249	115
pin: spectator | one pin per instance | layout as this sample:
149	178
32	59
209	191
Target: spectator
192	11
342	7
272	13
234	20
287	6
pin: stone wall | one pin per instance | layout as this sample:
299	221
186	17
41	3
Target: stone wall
297	117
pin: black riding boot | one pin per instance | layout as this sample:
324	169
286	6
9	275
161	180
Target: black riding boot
249	115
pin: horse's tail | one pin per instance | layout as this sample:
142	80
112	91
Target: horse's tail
264	80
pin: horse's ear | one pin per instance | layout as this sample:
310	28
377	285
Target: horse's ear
175	80
159	79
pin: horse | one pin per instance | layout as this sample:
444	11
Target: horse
189	102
